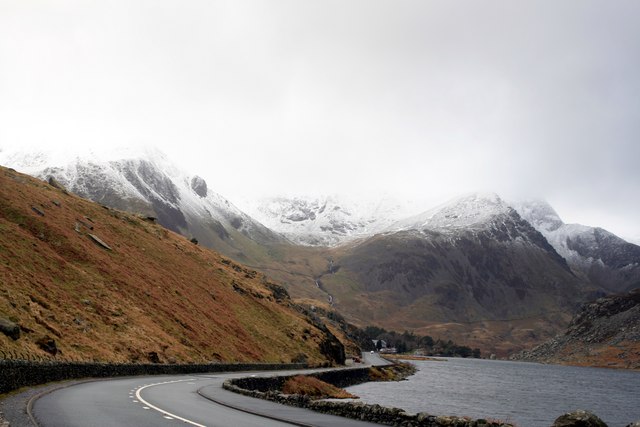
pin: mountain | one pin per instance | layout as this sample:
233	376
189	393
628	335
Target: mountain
84	281
324	221
471	269
594	254
604	333
475	269
147	183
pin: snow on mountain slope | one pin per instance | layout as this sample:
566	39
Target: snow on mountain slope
465	212
326	221
593	253
144	181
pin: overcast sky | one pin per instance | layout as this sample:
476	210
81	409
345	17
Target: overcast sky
423	100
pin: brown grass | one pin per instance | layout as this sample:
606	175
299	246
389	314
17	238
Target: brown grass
154	292
314	388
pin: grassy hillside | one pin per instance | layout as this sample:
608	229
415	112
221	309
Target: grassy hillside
108	285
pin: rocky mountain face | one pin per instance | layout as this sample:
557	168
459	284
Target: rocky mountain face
605	332
472	267
594	254
83	281
324	221
147	183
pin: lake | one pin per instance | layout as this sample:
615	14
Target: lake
527	394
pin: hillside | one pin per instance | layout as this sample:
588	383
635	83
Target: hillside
605	333
83	281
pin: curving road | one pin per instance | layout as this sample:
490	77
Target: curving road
197	400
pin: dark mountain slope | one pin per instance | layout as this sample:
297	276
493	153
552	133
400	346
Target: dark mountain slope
474	273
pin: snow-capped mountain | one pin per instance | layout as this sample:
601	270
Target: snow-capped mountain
145	181
324	221
466	264
475	210
593	253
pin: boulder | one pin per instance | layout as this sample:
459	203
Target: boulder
99	242
47	344
578	418
9	328
153	357
55	183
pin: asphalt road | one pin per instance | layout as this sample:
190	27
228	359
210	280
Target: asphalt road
197	400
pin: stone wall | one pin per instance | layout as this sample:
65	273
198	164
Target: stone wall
15	374
340	378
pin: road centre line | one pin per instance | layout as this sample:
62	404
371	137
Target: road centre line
162	411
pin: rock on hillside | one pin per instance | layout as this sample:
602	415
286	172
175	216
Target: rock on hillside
605	332
143	294
594	254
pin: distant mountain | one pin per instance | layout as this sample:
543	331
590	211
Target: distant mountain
593	253
604	332
472	267
146	182
472	211
324	221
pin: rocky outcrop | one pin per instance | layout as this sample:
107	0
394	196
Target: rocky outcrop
605	332
9	328
199	185
578	418
56	184
47	344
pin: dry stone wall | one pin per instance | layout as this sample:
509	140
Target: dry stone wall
15	374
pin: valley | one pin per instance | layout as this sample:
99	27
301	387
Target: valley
478	270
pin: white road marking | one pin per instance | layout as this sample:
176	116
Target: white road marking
164	413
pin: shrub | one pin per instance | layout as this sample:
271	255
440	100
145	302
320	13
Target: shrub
314	388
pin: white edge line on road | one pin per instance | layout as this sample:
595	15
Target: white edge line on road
162	411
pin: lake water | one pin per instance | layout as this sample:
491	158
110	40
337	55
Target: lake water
527	394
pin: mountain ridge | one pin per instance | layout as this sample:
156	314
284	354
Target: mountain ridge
593	253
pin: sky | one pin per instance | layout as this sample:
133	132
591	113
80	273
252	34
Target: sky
421	100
